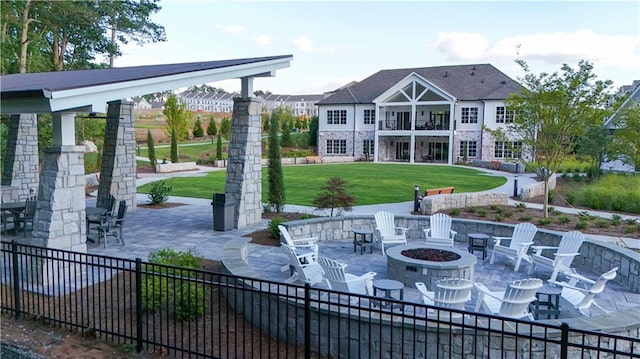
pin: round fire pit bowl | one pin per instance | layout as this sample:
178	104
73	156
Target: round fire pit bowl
409	271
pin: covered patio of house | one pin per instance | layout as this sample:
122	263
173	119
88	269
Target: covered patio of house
59	182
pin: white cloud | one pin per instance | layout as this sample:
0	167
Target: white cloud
234	29
305	44
262	40
560	47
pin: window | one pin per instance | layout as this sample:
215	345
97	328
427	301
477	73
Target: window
369	117
508	149
469	115
504	116
337	117
471	148
337	147
367	147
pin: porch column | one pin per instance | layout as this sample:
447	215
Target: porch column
244	172
118	166
452	131
20	173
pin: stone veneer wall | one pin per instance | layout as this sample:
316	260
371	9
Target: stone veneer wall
175	167
365	334
20	175
537	189
437	203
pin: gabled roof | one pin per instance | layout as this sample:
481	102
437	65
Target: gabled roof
464	82
634	98
82	89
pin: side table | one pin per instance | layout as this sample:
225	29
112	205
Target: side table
360	239
478	242
387	286
547	302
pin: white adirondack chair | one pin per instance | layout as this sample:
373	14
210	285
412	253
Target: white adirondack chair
584	298
439	232
306	249
337	279
520	241
308	273
566	250
512	302
449	293
389	233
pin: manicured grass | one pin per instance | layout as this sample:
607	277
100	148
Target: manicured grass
369	183
187	152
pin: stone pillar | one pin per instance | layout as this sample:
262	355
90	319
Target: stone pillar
60	216
244	171
118	167
20	172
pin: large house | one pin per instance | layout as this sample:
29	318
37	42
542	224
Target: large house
611	123
431	114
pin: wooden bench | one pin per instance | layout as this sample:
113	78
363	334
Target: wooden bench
435	191
314	159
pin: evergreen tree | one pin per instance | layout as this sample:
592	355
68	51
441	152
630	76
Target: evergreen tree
211	128
151	149
313	131
219	148
197	129
276	195
333	195
225	127
174	147
286	134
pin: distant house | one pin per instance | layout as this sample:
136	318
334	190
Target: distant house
208	101
140	103
430	114
300	105
157	105
612	124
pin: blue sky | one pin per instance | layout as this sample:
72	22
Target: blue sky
333	43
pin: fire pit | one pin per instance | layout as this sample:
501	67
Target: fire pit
404	264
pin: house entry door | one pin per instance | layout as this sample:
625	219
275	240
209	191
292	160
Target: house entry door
402	151
439	151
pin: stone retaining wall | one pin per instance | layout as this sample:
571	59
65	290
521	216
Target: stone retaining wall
537	189
440	202
175	167
371	334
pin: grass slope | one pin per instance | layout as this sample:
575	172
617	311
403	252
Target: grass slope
369	183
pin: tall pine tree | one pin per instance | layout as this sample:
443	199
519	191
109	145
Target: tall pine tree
151	149
276	195
219	148
174	147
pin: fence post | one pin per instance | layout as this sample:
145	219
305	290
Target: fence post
564	340
16	278
307	321
138	305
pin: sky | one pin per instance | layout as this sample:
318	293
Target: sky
334	43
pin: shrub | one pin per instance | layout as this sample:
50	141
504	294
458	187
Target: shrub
521	206
306	216
586	216
616	219
198	131
544	221
454	211
582	224
506	214
525	218
564	219
577	177
481	213
630	229
498	217
274	232
159	192
630	221
611	192
551	195
472	209
495	207
602	223
151	150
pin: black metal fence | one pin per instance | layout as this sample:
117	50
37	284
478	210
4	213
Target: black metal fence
192	313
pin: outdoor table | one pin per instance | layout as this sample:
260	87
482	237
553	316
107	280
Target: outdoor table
478	242
547	302
360	239
92	213
15	208
387	286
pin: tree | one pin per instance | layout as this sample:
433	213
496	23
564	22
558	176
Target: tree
197	129
593	146
313	131
286	134
178	117
151	150
276	196
219	156
551	113
625	142
333	195
225	127
211	128
174	147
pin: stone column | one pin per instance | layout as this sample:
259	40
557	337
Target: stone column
244	172
118	167
20	172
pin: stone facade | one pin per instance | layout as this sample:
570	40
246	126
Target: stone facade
118	168
354	139
244	172
20	173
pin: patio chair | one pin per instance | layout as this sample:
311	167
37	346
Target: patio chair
564	253
512	302
109	207
519	243
306	249
449	293
112	226
308	273
584	298
439	232
337	279
26	217
389	233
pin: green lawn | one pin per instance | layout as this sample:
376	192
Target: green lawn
188	152
369	183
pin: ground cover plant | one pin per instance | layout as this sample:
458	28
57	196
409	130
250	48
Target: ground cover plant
612	192
369	183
